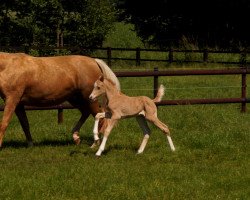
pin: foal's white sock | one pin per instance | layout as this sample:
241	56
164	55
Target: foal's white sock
171	143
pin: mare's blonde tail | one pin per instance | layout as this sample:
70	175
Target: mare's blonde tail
108	73
159	94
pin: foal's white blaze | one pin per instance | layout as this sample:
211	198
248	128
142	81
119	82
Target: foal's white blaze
171	143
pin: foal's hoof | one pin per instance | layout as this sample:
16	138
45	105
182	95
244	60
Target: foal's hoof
95	144
98	157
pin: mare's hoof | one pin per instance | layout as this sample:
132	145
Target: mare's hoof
77	141
30	144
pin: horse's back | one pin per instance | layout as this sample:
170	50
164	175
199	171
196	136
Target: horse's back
79	67
46	78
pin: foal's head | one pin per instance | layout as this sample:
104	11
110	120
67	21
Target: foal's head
98	90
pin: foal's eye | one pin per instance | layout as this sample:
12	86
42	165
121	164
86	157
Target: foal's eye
98	88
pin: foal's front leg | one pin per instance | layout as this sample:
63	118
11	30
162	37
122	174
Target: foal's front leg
111	123
95	129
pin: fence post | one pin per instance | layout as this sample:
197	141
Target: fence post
205	55
138	56
109	56
155	81
243	81
27	49
243	58
60	116
244	91
170	55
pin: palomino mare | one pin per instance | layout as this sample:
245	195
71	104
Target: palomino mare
47	81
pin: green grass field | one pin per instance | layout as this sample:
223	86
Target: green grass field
211	159
212	144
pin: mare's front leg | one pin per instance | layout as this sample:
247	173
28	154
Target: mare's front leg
22	117
111	123
10	106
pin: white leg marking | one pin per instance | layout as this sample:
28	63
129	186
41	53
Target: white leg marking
95	130
171	143
143	144
142	113
101	148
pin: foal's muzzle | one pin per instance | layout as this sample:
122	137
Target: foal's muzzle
92	98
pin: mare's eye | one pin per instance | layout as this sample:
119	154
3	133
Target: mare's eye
98	88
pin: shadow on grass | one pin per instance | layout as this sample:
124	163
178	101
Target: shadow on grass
87	141
65	142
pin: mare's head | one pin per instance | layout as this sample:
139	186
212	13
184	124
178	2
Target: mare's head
98	90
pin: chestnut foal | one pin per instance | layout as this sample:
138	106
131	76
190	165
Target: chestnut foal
122	106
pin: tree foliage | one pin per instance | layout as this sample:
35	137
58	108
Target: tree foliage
222	23
55	22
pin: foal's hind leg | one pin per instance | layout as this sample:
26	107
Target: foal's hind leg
164	128
21	114
10	106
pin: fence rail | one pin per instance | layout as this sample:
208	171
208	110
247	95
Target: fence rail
237	71
170	54
243	100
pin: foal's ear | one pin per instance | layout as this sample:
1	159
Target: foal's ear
101	78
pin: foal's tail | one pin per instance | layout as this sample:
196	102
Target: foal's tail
108	73
159	94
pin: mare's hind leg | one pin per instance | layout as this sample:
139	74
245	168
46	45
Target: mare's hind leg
86	109
163	127
10	106
22	117
77	127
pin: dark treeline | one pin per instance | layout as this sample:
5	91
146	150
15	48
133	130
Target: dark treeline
160	23
209	23
55	22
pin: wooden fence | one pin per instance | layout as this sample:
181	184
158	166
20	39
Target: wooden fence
170	55
243	100
171	58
